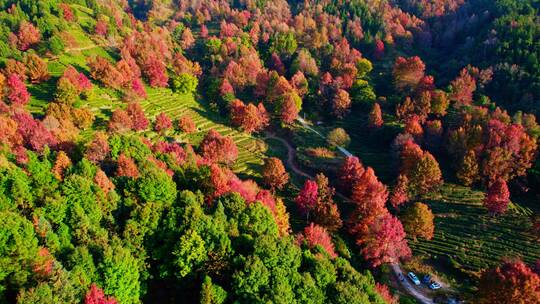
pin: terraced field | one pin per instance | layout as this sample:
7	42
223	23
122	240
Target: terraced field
104	101
250	149
470	237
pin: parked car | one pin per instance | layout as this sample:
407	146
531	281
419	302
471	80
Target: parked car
426	279
434	285
413	278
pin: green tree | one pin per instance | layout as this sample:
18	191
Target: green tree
212	293
338	137
283	44
154	185
189	253
120	273
185	83
18	250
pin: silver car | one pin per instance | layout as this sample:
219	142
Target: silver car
413	278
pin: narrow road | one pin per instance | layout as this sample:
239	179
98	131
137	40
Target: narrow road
417	294
396	269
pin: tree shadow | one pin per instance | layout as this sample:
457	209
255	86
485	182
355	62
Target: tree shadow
44	91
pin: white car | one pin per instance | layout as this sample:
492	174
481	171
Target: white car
434	286
413	278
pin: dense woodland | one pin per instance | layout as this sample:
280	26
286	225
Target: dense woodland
121	203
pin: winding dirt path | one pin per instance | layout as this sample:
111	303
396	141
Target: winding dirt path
291	155
419	295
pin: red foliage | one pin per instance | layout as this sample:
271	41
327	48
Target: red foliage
385	293
37	69
101	27
369	196
350	172
300	83
410	155
413	127
251	118
375	119
120	121
27	36
79	80
463	88
204	32
103	182
187	41
227	29
498	197
43	267
96	296
67	12
163	123
8	132
138	119
219	180
408	72
276	64
20	155
16	67
307	197
289	109
33	132
183	65
98	148
267	199
400	194
274	173
186	124
217	148
138	87
512	282
61	164
17	93
379	49
384	241
325	213
247	189
102	70
226	88
126	167
155	71
341	104
315	235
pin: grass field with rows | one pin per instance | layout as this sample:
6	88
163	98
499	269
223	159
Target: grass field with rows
471	238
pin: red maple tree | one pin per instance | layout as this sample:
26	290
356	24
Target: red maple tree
512	282
17	93
217	148
307	198
383	241
498	197
96	296
163	123
315	235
